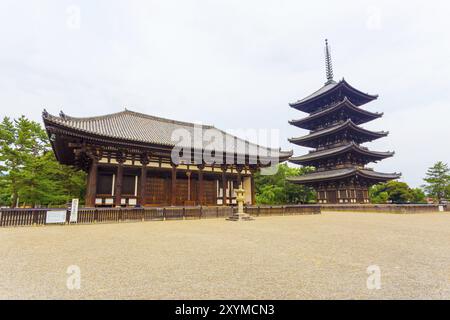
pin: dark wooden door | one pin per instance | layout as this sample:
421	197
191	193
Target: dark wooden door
210	192
332	196
359	196
156	191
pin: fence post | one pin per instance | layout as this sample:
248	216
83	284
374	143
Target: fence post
68	212
143	214
184	213
34	218
164	214
95	215
120	214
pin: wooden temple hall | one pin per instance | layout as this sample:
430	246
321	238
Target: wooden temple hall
127	156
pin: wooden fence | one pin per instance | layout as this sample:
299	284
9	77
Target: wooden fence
22	217
29	217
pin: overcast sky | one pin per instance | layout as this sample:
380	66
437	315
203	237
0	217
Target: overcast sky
234	64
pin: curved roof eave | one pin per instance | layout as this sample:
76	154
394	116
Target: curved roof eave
330	88
336	128
337	174
339	150
344	103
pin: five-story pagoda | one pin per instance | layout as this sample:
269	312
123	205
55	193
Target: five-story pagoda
335	134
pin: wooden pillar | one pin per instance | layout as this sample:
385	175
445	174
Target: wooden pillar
224	186
118	184
239	176
200	195
173	193
230	190
91	190
143	181
252	180
188	174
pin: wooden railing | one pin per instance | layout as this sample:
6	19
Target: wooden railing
29	217
22	217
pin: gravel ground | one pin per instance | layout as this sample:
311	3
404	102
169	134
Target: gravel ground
293	257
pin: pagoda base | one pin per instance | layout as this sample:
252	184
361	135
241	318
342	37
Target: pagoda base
343	195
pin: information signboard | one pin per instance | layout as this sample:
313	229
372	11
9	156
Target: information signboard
74	211
56	216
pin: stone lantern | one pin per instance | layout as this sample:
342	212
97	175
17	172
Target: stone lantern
240	215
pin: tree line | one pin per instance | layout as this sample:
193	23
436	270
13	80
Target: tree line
30	176
436	187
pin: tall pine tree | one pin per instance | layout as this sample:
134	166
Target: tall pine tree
438	181
29	172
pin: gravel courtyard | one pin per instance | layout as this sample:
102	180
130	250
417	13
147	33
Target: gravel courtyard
292	257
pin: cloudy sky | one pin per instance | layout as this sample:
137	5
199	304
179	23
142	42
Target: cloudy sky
234	64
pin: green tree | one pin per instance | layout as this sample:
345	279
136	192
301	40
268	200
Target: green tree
378	193
437	181
418	196
396	192
275	189
29	172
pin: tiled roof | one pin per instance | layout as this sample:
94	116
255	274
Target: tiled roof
133	126
345	103
334	151
335	128
329	87
341	173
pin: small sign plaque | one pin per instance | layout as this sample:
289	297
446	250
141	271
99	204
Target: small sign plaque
56	217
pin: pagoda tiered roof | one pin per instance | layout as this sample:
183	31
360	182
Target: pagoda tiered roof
356	114
337	174
330	93
335	114
309	158
363	135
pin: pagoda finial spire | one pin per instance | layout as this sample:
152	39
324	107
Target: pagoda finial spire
328	64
